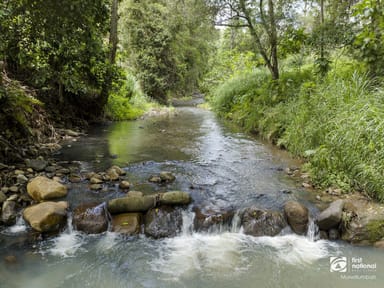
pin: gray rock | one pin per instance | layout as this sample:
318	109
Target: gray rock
131	204
21	179
211	217
167	176
127	223
9	212
50	169
37	164
46	216
3	197
135	194
362	222
330	217
154	179
14	189
90	218
175	198
165	221
42	188
297	216
259	222
333	234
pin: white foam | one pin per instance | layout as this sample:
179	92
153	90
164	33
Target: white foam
19	227
228	253
67	244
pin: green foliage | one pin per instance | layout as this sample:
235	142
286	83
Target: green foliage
168	44
16	107
336	123
126	101
58	46
369	41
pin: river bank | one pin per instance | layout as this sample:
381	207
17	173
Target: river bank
235	180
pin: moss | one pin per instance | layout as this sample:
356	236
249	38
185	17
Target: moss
375	230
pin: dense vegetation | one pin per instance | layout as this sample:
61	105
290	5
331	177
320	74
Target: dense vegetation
306	75
325	104
73	62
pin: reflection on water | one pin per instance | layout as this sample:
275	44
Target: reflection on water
219	167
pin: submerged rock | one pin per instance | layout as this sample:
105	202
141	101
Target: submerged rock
90	218
42	188
162	177
259	222
127	223
46	216
165	221
135	194
331	217
297	216
131	204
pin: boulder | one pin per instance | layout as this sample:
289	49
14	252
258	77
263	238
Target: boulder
362	222
165	221
175	198
297	216
162	177
167	176
46	216
333	234
135	194
124	184
207	218
95	186
95	180
90	218
131	204
127	223
37	164
331	217
9	211
259	222
379	244
42	188
113	175
118	170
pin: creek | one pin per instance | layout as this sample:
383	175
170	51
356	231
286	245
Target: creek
220	167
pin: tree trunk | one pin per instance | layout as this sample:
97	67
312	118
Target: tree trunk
273	41
113	31
322	29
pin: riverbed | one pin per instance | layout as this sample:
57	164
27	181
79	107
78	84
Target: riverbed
220	167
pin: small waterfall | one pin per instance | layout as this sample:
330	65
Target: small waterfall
236	223
68	242
187	228
313	231
19	226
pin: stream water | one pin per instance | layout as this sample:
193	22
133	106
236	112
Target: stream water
220	167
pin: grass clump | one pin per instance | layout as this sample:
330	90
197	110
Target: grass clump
336	123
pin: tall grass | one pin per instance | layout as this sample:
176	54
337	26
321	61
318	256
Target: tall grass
336	123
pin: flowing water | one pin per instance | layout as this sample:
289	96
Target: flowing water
220	167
